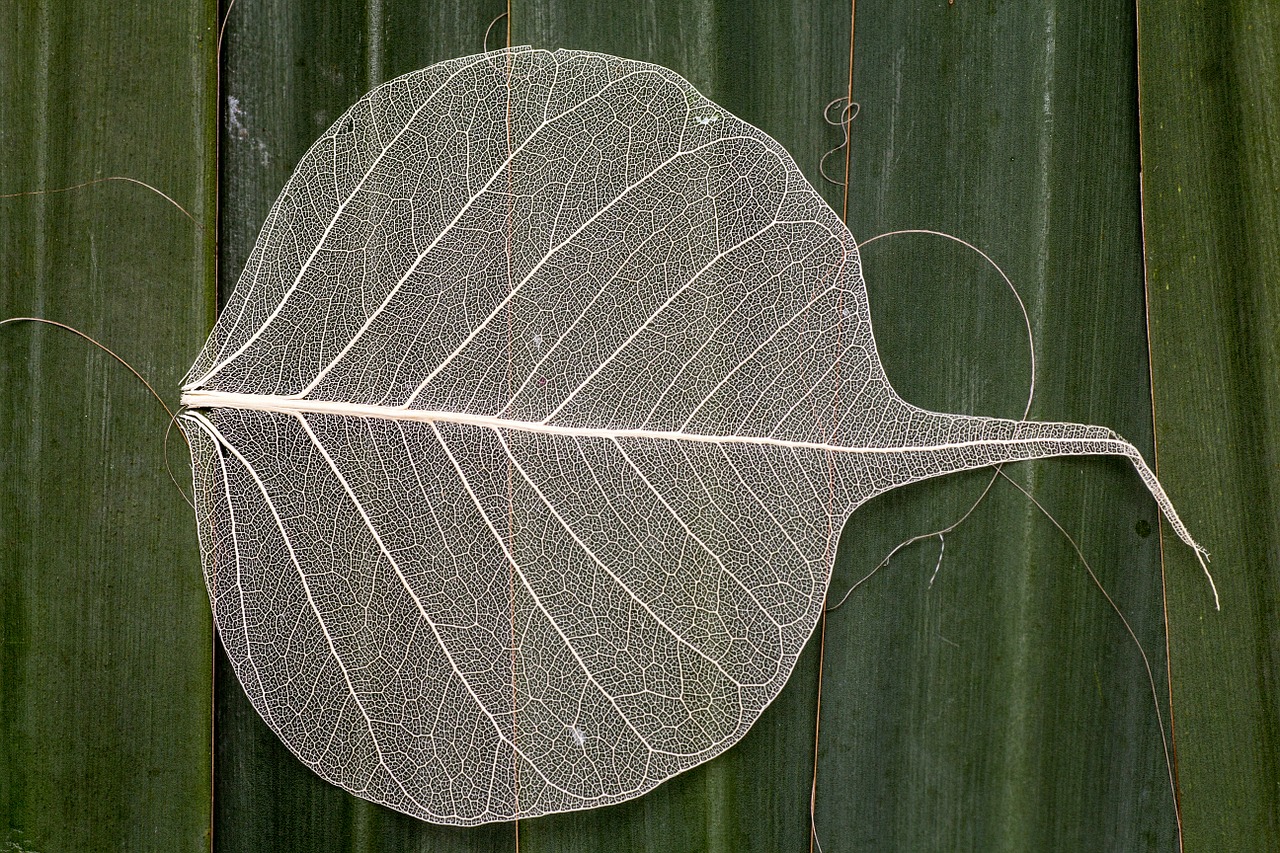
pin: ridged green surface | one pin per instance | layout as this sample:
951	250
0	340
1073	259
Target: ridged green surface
105	641
1211	154
1001	707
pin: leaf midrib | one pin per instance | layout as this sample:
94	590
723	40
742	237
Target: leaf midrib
297	406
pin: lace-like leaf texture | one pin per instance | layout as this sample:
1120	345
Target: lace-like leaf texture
522	448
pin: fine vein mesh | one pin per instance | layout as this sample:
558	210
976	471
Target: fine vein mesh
522	448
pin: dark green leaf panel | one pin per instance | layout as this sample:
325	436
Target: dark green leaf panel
105	640
978	693
1211	164
999	704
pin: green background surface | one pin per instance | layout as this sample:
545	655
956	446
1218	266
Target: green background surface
1000	707
105	639
1211	148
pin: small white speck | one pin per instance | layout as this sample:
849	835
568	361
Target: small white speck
235	115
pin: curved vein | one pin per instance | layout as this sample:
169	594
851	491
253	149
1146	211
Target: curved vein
386	553
506	300
640	327
235	548
601	291
622	584
306	587
497	537
211	372
447	229
680	521
743	480
803	311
